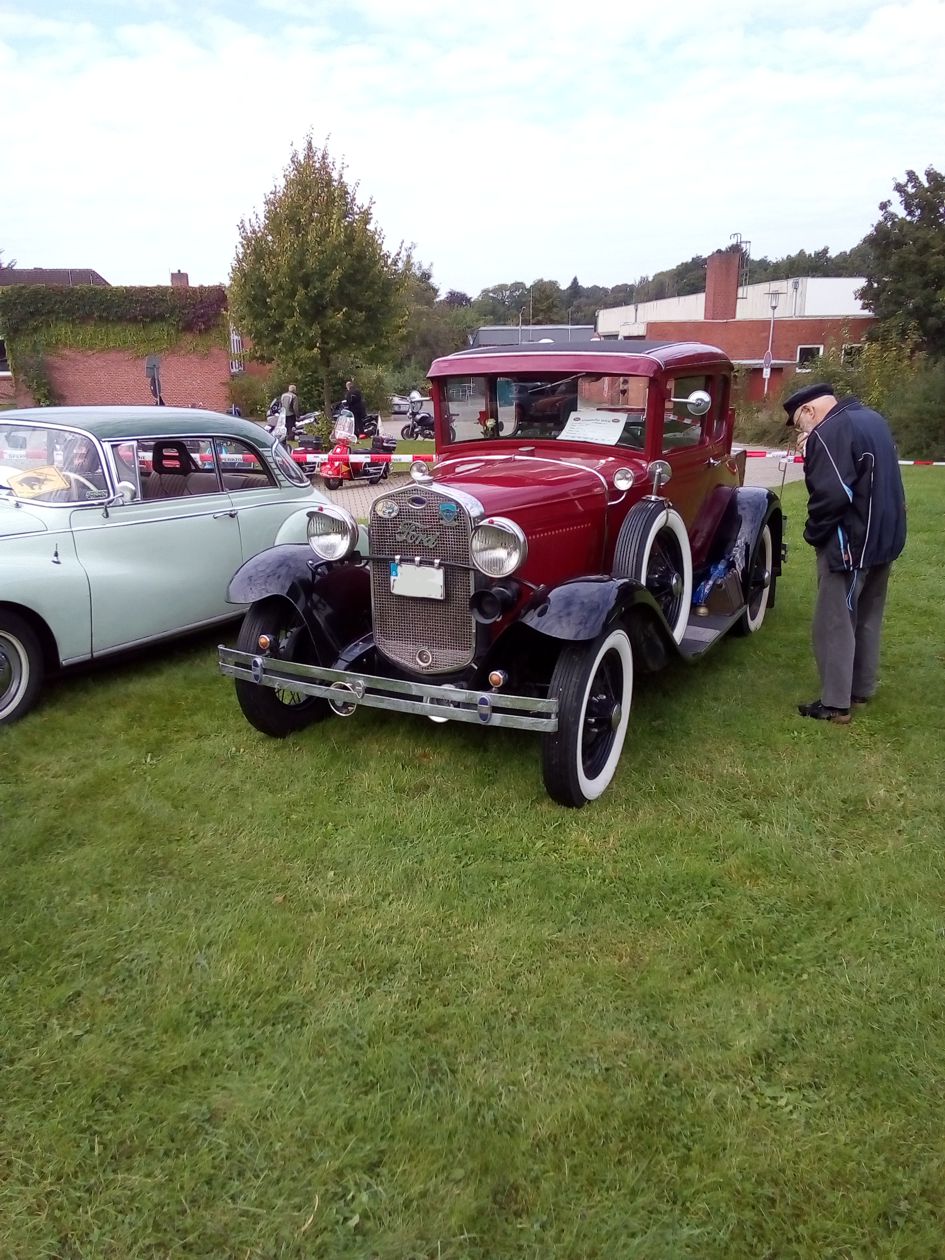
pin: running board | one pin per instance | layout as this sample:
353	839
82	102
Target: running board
703	632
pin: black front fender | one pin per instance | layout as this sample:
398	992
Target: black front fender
755	507
580	610
333	598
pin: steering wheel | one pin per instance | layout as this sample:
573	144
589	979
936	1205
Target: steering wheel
78	477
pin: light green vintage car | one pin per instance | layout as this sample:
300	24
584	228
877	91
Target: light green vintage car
121	526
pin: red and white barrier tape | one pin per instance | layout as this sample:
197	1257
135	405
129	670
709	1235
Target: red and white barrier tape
793	458
312	460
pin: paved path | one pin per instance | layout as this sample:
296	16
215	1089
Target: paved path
357	496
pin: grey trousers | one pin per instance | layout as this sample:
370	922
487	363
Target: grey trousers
848	620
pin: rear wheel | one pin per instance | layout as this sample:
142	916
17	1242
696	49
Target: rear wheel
653	548
21	667
760	585
593	683
332	483
273	711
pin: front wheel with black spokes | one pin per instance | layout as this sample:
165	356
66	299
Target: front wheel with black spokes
593	684
653	548
277	711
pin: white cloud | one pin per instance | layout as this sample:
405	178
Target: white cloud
539	140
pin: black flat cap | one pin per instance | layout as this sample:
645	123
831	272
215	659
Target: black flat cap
805	395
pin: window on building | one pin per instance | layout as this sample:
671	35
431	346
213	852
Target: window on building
851	352
237	353
4	361
807	356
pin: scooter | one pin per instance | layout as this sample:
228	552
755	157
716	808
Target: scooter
420	424
339	467
369	427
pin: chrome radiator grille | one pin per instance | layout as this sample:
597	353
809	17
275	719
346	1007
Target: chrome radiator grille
405	627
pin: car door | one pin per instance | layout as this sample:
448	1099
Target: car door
161	564
693	446
260	503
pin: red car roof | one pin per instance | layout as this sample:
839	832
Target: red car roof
633	358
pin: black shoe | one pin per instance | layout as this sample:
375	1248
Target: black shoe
824	713
859	699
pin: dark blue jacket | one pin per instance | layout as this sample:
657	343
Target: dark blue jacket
856	507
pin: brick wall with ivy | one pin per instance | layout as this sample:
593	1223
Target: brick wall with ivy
90	344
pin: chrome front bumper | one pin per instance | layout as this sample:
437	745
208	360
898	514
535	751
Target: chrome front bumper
344	691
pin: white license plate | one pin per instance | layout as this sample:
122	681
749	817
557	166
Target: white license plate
417	580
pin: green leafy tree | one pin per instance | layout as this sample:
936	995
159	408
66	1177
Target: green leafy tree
905	276
546	303
501	303
434	327
312	283
456	297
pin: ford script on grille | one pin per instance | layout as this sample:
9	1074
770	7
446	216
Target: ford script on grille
410	532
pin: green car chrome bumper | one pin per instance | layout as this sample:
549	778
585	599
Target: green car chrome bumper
344	691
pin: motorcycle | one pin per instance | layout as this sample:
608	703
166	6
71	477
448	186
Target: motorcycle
339	467
420	424
372	425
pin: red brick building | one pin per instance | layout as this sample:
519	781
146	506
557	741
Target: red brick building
101	377
796	319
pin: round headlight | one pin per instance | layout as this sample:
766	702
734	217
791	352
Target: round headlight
623	478
332	532
420	470
498	547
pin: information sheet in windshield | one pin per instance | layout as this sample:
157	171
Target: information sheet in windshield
601	427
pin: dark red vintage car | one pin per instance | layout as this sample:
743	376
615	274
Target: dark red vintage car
585	518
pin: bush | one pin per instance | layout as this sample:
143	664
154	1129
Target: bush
915	410
880	369
908	388
762	424
252	394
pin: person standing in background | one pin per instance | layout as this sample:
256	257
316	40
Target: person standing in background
289	405
355	404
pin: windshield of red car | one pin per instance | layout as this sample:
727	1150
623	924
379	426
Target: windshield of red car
607	410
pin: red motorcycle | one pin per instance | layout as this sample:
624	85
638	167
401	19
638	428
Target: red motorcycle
339	466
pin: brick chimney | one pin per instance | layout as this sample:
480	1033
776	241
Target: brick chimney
721	283
180	280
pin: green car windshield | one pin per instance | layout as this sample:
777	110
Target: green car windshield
50	465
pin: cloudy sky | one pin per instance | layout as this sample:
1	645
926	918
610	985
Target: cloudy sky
535	138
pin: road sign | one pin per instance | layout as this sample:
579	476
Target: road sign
766	361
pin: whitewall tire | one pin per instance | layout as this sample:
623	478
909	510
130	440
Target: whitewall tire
593	684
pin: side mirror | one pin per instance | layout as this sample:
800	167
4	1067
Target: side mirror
698	402
659	472
126	492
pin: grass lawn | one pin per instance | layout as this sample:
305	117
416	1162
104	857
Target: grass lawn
368	993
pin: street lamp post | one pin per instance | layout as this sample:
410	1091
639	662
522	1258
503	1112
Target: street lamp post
774	297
